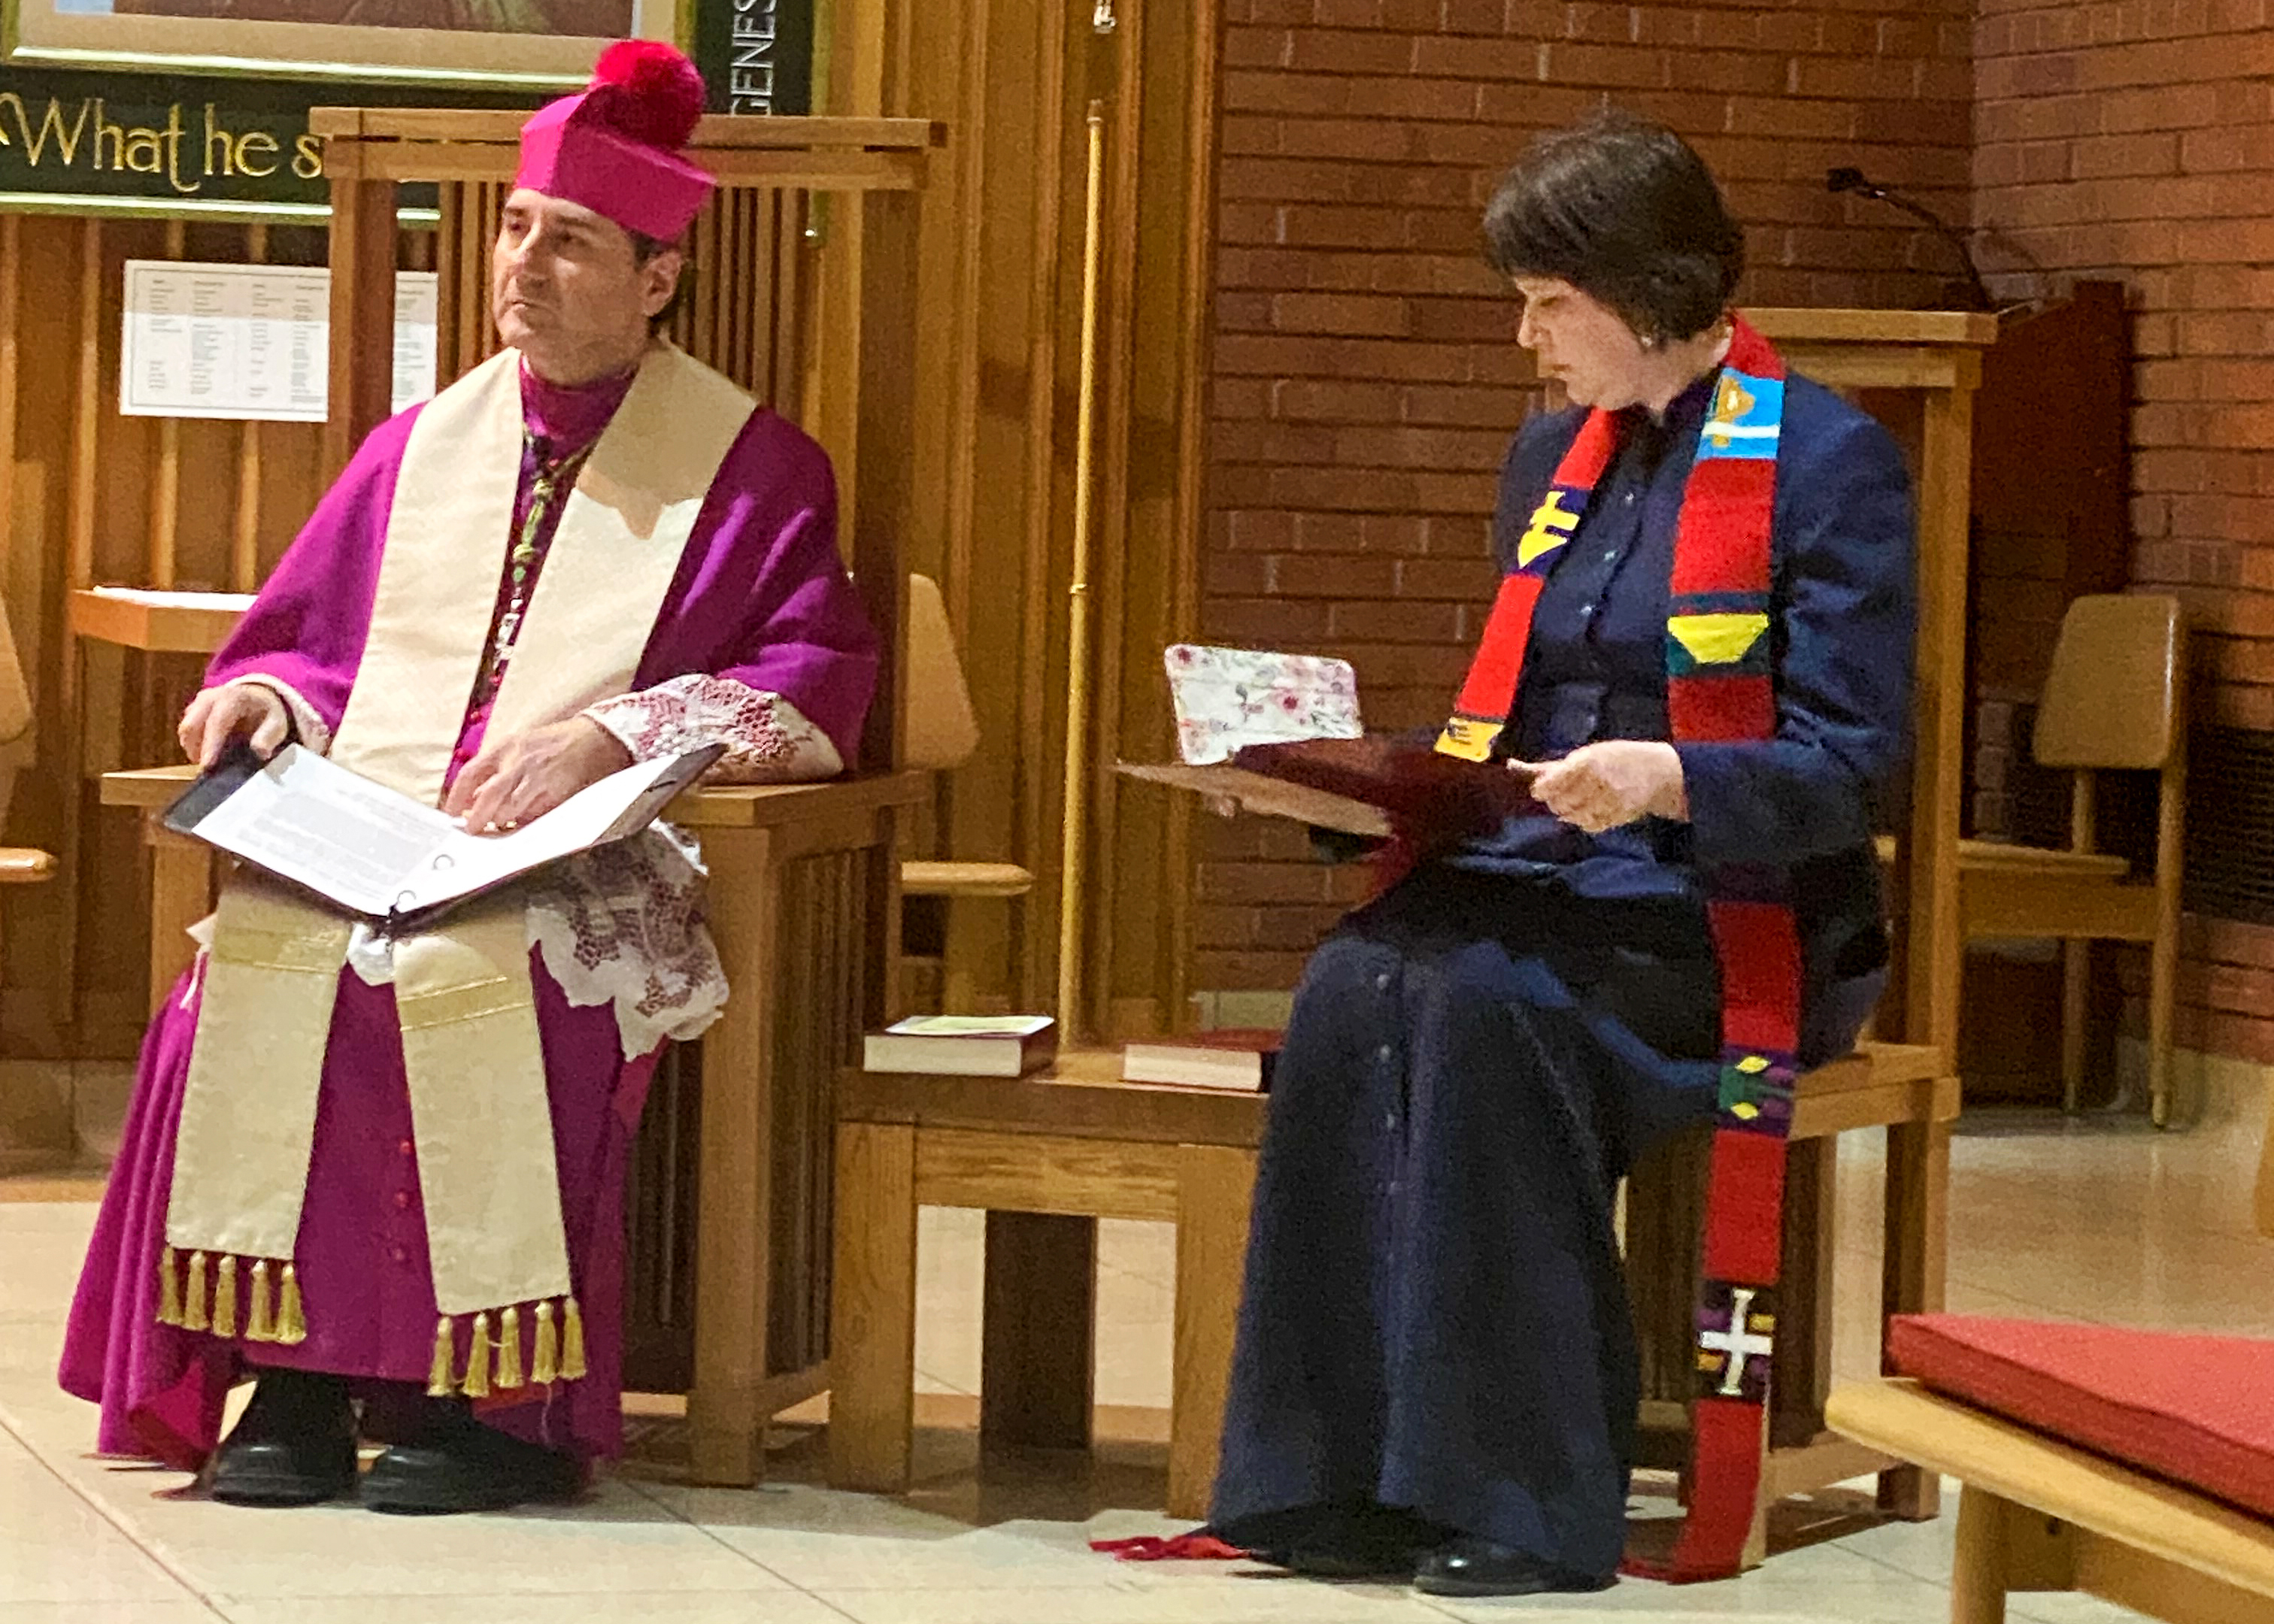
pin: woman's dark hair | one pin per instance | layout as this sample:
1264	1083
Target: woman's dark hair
1626	212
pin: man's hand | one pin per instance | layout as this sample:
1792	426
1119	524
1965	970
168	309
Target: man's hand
516	779
235	711
1601	786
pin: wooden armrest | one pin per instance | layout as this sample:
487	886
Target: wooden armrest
24	865
965	879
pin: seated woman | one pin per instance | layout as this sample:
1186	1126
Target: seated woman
1436	1371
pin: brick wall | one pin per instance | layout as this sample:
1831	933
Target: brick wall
2136	141
1366	379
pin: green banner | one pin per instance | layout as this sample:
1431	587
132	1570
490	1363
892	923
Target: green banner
757	55
140	143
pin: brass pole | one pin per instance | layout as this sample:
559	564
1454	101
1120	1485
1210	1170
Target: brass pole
1074	853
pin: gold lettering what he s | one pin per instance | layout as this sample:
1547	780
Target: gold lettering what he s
308	157
253	154
134	148
50	128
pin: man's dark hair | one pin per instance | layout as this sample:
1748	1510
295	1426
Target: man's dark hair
1625	211
646	248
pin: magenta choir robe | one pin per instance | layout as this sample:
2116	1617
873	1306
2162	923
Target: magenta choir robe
761	607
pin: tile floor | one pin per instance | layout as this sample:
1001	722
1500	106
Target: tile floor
2101	1221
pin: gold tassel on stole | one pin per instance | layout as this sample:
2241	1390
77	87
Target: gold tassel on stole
291	1326
545	1358
476	1384
259	1322
438	1377
572	1341
224	1306
509	1359
194	1310
169	1289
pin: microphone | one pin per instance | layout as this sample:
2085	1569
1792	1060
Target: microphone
1844	178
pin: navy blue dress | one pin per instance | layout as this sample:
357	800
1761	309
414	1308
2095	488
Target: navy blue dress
1435	1325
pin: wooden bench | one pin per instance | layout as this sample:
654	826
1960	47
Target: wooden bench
2037	1515
1045	1156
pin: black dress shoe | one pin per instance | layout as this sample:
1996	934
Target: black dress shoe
1478	1567
454	1463
294	1446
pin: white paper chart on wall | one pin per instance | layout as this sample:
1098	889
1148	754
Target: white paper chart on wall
252	342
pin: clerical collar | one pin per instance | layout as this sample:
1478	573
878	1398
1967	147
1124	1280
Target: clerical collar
571	415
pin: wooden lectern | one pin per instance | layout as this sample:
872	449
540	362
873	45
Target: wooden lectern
803	895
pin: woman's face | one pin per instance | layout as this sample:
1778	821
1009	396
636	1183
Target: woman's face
1581	343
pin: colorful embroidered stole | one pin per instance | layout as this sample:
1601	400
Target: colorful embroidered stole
1720	688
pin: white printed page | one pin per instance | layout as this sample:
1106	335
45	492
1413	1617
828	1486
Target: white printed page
465	864
315	823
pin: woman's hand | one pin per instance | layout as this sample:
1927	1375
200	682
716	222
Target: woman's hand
1601	786
244	710
525	776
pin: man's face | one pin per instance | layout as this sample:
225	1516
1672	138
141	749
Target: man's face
567	289
1580	342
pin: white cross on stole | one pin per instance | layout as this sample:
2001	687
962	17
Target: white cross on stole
1737	1343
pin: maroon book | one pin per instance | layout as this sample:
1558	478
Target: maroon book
1430	799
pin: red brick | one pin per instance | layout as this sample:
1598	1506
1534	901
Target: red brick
1465	450
1302	399
1369	315
1609	66
1395	622
1326	50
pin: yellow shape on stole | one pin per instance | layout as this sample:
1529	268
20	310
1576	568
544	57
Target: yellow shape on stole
1717	639
1731	403
1551	527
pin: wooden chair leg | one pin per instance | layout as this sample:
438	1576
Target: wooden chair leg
1918	1187
2076	1001
1215	1185
2162	993
1038	1330
873	1308
1977	1571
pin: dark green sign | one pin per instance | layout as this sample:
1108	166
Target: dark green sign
161	143
757	55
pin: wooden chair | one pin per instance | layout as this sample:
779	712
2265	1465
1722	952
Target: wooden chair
2037	1513
2114	700
943	734
51	1142
805	878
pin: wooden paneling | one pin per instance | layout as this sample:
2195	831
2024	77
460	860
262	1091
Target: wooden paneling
998	391
88	496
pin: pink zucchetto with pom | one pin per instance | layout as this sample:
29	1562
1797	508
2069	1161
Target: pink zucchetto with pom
614	147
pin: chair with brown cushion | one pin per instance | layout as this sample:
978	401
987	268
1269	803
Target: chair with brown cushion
2115	700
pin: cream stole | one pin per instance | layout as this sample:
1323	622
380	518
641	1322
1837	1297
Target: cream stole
471	1045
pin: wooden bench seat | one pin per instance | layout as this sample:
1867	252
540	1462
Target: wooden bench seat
2039	1515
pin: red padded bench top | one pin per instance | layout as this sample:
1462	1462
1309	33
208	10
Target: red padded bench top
2198	1410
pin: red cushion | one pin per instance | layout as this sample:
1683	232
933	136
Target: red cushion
2196	1409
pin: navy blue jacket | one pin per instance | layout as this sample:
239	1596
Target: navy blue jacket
1843	597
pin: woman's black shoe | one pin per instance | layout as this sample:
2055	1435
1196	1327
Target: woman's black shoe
294	1446
1479	1568
456	1464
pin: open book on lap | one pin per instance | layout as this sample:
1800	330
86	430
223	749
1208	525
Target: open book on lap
378	854
1279	734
